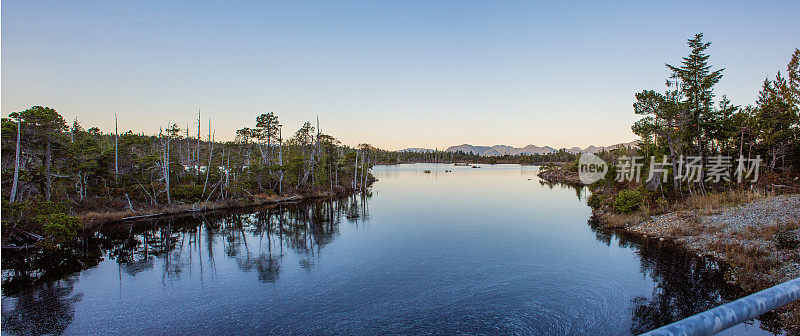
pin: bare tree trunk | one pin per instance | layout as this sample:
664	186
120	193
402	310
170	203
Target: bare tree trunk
47	171
338	155
189	151
225	171
701	153
165	141
13	196
280	159
365	171
741	143
208	167
198	139
166	166
355	171
130	206
116	147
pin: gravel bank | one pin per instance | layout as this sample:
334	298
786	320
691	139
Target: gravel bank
751	238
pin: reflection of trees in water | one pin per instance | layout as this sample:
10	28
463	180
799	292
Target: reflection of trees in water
137	249
684	284
580	191
26	268
256	240
46	309
303	228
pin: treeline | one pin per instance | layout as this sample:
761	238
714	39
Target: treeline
52	170
437	156
689	124
687	119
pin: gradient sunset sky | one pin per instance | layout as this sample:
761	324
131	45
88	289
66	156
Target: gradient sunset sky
394	74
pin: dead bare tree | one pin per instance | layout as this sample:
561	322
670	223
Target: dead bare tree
13	196
198	140
116	147
210	154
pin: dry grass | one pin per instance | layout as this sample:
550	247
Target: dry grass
747	261
612	220
710	202
767	232
93	219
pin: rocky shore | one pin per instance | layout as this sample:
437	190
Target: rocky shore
559	174
757	240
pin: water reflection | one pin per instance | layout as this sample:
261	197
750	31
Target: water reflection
255	240
47	309
26	268
684	284
467	251
580	191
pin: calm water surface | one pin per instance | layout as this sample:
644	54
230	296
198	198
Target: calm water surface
470	251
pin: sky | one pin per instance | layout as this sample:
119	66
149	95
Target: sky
393	74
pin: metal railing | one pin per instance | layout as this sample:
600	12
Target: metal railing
732	313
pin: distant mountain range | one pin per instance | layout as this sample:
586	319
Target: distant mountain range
416	150
499	150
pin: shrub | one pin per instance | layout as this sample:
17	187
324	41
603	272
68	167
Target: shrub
48	219
596	200
59	227
573	166
627	201
660	205
187	192
597	185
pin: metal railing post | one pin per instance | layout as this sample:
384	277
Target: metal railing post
732	313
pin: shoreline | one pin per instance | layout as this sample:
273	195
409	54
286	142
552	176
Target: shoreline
558	173
755	236
755	240
753	228
92	220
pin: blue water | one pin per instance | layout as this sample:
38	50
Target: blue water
488	250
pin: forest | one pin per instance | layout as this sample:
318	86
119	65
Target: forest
689	120
60	178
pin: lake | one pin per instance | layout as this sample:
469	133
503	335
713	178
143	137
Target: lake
429	249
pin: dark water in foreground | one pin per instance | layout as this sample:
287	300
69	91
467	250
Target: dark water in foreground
472	251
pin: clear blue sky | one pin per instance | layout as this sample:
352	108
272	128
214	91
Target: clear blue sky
394	74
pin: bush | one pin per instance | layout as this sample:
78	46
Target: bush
598	185
48	219
627	201
573	166
187	192
660	205
60	228
596	200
